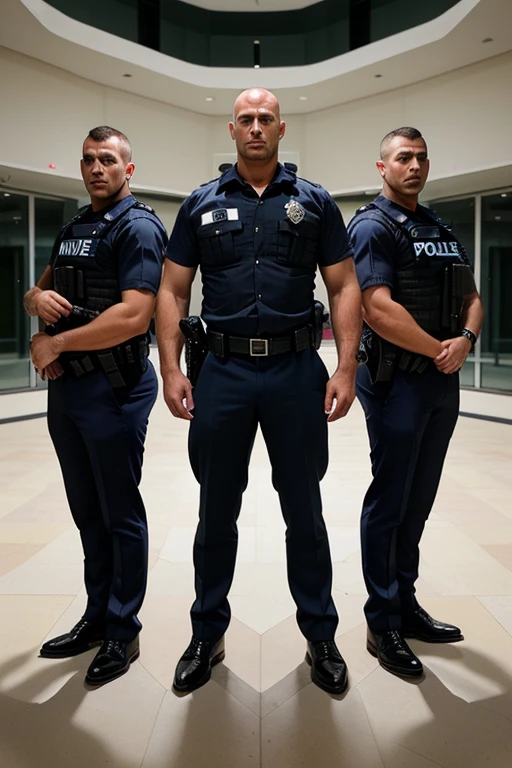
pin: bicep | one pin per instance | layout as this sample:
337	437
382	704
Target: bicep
377	299
339	276
177	279
139	302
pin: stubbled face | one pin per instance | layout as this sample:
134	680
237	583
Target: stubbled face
405	166
105	170
256	127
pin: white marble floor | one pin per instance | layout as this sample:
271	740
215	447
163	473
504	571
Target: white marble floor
260	708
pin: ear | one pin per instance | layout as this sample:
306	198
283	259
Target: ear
282	128
130	168
381	168
231	127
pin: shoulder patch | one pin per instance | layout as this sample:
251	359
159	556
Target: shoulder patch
205	183
143	207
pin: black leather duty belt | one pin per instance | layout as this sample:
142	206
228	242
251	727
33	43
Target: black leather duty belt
221	344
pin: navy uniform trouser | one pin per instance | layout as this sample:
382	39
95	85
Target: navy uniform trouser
410	421
99	439
284	394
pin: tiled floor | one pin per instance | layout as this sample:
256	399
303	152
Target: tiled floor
260	709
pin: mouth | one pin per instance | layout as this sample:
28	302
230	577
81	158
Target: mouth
256	143
413	179
98	183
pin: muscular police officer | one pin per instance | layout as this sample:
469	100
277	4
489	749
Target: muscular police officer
258	234
97	297
423	315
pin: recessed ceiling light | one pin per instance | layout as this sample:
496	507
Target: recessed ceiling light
303	98
6	194
209	98
127	74
498	218
377	75
256	66
504	194
256	42
487	40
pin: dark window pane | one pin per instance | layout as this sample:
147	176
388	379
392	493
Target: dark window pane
14	324
496	282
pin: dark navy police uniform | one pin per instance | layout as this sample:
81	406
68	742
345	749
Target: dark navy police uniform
98	409
412	410
258	258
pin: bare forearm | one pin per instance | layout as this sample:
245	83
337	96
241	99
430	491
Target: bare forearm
395	324
30	301
346	321
114	326
170	309
473	314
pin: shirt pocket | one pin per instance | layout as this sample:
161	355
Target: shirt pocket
218	246
297	244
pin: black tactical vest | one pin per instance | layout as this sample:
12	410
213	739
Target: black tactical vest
76	274
433	285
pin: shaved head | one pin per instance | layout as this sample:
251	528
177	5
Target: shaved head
254	97
406	133
105	132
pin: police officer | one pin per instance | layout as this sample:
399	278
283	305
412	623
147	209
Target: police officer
258	233
97	296
422	317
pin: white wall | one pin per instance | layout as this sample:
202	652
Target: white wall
465	116
46	113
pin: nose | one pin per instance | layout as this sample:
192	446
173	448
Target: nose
97	168
255	127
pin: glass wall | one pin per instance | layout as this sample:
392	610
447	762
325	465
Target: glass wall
496	339
484	225
28	228
14	266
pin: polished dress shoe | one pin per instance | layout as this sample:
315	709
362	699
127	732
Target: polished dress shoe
421	626
393	653
194	669
83	636
112	660
328	669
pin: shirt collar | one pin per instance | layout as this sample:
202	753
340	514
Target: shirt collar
232	177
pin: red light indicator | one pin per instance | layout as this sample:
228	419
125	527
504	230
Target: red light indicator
51	165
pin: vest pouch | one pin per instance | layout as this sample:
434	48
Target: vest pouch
68	281
297	244
217	244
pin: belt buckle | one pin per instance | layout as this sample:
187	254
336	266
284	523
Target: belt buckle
258	347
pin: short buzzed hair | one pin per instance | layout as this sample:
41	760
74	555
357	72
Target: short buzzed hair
104	132
406	132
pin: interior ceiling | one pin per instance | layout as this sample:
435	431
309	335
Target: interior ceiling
454	40
251	5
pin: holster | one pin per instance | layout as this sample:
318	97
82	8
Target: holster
319	316
381	356
196	346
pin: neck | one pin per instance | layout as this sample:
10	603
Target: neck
406	201
258	175
99	205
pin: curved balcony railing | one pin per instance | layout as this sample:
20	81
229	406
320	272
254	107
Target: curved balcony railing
246	39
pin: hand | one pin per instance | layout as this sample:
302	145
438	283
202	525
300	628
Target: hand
52	371
341	388
51	306
43	351
177	388
454	354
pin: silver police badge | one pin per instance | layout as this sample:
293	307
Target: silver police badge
295	211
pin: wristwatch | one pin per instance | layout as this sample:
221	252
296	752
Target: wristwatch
469	335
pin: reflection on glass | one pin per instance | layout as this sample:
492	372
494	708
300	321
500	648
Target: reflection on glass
496	281
14	325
